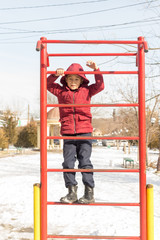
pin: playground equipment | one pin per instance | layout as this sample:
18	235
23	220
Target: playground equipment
150	213
128	160
140	62
37	201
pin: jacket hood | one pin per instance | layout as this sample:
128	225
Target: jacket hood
75	67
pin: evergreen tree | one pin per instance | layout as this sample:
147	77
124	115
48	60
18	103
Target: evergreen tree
9	122
27	136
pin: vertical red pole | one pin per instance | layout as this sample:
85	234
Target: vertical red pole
43	144
142	138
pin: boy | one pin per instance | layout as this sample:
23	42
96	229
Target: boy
76	121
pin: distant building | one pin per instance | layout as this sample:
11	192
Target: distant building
1	115
22	122
53	129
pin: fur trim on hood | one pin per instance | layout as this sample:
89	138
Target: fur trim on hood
77	68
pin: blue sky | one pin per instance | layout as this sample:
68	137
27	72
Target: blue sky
22	23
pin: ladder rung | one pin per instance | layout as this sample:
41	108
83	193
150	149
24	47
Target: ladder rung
92	170
94	105
94	41
89	54
98	72
95	137
97	204
93	237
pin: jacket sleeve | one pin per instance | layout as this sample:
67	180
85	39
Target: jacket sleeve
98	86
53	87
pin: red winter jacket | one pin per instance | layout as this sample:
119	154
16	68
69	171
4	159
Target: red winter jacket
75	119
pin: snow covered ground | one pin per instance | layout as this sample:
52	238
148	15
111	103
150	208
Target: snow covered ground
19	173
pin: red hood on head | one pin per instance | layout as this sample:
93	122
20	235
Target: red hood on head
75	67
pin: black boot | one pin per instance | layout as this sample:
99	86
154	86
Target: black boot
88	196
71	197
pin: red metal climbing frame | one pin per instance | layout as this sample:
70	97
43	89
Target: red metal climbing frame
140	61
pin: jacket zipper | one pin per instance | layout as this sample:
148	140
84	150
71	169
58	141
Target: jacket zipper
74	115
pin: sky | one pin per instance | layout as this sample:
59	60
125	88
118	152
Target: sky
23	23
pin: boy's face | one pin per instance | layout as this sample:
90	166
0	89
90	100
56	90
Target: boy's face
73	81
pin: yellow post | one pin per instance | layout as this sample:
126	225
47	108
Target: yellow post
37	211
150	213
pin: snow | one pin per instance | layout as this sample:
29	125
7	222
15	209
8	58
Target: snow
19	173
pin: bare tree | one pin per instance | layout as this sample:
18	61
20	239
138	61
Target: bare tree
129	116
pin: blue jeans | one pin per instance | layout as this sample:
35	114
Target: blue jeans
80	150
